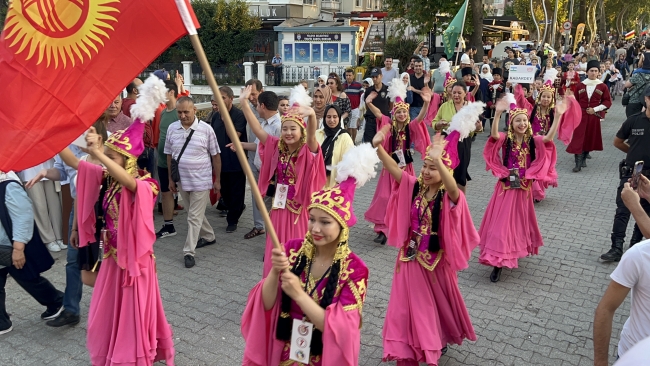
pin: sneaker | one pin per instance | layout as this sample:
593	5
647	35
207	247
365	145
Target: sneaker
5	331
66	318
52	313
231	228
166	231
53	247
189	261
203	243
61	245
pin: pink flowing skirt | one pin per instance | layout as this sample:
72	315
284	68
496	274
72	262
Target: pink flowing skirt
426	311
288	226
127	324
377	209
509	229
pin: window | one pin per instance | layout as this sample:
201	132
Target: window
308	2
358	3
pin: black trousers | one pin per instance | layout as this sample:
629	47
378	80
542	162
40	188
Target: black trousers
233	191
39	288
278	76
622	216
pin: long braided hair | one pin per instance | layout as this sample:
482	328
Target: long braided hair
434	239
285	322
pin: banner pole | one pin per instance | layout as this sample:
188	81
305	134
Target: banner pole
232	133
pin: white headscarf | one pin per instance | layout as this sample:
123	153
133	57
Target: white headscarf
401	77
486	75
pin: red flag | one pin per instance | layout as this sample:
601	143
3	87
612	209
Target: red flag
64	61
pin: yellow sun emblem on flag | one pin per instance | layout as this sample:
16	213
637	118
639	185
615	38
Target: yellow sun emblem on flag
59	30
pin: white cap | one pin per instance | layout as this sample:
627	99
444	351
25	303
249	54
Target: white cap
464	59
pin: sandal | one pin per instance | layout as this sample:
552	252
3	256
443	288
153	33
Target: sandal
253	233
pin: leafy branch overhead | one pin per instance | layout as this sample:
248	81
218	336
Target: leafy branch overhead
227	32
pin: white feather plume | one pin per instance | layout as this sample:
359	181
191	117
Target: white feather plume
299	96
359	163
465	120
396	89
510	98
550	74
151	94
443	67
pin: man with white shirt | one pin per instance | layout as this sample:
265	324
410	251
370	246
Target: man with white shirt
631	274
594	98
267	110
198	165
388	71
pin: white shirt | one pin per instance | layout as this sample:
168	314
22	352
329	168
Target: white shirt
272	126
637	355
29	173
632	272
591	86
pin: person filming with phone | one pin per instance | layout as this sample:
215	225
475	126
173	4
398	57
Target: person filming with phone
633	138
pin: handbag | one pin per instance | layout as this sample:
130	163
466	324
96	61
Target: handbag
5	255
176	175
626	98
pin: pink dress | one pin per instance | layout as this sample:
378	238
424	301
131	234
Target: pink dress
426	310
419	135
509	228
304	172
342	334
126	320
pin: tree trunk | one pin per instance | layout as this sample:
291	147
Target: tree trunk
603	21
582	15
476	39
532	14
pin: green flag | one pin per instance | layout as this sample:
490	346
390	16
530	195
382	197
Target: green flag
451	34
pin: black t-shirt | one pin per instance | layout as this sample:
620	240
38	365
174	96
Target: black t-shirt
636	130
506	66
382	102
419	85
229	161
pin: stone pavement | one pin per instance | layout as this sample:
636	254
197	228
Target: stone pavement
539	314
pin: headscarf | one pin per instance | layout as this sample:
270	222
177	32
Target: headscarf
331	134
401	77
486	75
327	95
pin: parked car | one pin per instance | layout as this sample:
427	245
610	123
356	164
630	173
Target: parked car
499	50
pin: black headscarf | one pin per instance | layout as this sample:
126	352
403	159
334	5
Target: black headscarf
331	134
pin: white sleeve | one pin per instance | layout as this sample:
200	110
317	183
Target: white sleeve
600	108
628	271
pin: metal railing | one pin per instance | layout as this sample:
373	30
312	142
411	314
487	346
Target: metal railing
296	73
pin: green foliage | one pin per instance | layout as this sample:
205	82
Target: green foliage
227	33
402	49
423	14
4	6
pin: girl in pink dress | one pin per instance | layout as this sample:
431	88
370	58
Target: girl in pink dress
542	116
317	280
402	135
430	223
293	164
126	320
509	228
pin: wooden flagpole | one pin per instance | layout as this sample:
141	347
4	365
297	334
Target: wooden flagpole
232	133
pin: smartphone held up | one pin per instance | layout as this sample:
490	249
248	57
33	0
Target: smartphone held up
638	168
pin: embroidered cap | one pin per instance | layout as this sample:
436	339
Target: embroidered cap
356	168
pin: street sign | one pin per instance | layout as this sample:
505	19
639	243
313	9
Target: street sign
566	26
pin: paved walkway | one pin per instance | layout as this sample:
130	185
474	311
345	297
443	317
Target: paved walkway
539	314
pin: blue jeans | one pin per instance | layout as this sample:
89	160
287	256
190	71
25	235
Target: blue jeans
414	111
73	285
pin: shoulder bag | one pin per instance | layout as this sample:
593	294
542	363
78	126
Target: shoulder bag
176	175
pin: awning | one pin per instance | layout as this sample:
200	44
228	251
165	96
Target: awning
498	28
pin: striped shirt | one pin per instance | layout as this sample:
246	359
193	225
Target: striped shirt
195	166
353	91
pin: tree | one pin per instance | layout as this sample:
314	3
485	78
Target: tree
424	14
4	7
227	32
